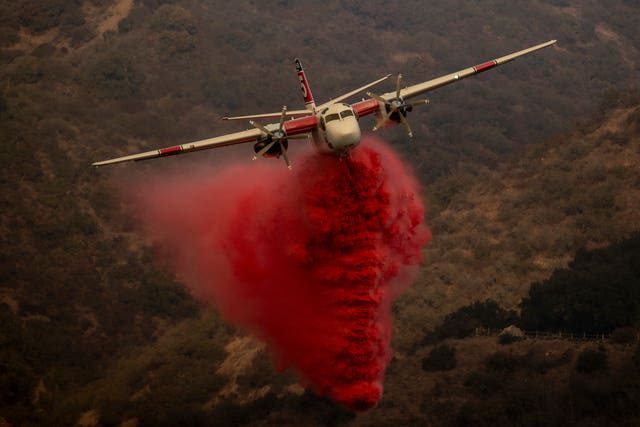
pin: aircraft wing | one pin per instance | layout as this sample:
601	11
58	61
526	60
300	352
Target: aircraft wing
220	141
427	86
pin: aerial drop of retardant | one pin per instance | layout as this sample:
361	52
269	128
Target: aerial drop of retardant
308	260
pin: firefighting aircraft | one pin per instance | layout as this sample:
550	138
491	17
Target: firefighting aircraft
333	126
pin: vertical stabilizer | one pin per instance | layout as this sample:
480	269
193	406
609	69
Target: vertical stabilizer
304	86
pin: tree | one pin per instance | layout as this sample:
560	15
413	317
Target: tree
114	76
597	293
463	322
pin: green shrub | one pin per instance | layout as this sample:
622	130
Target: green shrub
441	358
114	76
172	18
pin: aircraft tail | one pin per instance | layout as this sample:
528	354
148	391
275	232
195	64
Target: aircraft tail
304	86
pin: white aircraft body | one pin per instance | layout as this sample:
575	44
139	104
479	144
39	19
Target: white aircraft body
332	127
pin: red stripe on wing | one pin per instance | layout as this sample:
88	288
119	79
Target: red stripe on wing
484	67
302	125
170	150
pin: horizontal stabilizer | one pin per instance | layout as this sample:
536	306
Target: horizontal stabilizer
353	92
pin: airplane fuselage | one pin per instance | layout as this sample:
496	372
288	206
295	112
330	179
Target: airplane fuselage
339	130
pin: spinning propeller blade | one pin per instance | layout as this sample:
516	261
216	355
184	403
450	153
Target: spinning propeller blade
396	108
276	136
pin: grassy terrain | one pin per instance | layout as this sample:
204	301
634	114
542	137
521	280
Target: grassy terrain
498	231
94	329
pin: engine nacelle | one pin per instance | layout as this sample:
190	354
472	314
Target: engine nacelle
394	119
274	151
395	116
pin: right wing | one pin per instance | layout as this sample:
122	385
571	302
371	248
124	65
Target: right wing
219	141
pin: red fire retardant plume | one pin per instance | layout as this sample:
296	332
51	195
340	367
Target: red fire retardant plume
308	260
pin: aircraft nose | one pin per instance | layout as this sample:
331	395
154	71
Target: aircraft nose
343	135
349	135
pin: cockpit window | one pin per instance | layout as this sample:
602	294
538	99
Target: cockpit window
331	117
346	113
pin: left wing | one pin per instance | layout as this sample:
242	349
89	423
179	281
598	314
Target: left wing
393	107
220	141
415	90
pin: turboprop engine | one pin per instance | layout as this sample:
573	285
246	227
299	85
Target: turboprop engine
275	150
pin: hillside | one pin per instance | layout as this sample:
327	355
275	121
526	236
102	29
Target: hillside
495	232
539	375
202	62
94	330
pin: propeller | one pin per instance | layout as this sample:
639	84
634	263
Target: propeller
276	136
396	107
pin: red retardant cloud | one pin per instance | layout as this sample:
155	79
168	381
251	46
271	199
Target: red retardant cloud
308	260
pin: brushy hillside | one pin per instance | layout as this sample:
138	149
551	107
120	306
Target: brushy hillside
495	232
167	70
93	329
201	370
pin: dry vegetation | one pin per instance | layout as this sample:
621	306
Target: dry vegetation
515	226
93	331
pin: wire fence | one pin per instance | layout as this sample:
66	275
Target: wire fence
570	336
